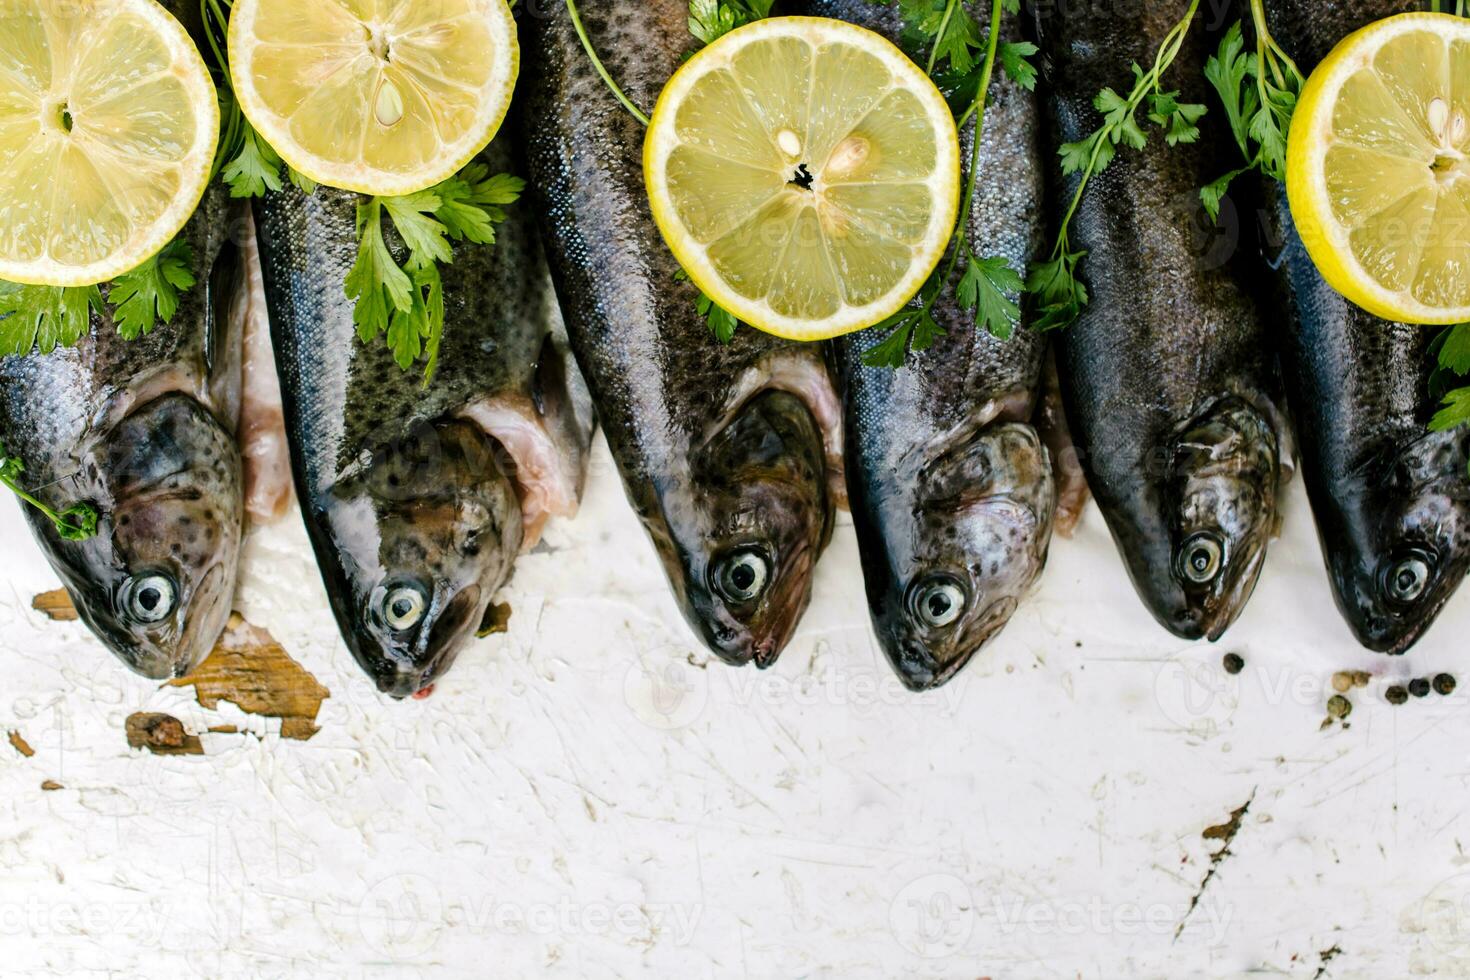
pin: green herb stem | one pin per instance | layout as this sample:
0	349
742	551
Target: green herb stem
1167	52
976	109
949	10
904	321
597	64
76	523
1271	55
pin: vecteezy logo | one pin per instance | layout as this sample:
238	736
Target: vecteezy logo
932	916
401	916
1196	695
1443	916
666	696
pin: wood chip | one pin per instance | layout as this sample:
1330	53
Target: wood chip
249	669
21	745
161	734
56	606
497	620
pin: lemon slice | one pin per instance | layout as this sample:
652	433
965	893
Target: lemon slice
108	126
1378	168
383	97
806	175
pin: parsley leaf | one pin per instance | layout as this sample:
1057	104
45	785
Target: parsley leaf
911	328
946	30
986	288
1226	72
150	293
405	303
426	237
1454	413
1060	295
1178	119
722	323
43	318
255	167
1454	349
1014	58
1259	92
710	20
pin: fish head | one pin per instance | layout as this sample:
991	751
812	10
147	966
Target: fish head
742	545
157	582
1403	545
959	551
1221	474
417	541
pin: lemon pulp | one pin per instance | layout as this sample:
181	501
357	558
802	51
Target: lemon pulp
378	96
805	173
108	126
1379	168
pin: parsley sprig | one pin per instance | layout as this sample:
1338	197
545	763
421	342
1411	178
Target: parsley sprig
406	302
1451	351
43	318
987	285
710	20
1259	91
243	160
1060	295
150	293
77	523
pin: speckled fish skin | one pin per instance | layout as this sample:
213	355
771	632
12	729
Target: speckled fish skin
950	485
1167	377
144	431
718	446
411	499
1391	499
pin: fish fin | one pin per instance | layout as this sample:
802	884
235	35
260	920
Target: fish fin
1051	424
549	468
225	309
564	403
262	436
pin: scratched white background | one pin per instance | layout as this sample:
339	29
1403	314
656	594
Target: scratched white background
585	797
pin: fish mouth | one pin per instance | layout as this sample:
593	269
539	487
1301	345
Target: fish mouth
405	669
1364	589
912	652
760	637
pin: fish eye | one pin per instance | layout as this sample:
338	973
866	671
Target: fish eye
742	576
1407	578
149	598
1201	557
937	601
403	608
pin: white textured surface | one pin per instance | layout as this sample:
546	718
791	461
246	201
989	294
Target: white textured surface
584	798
